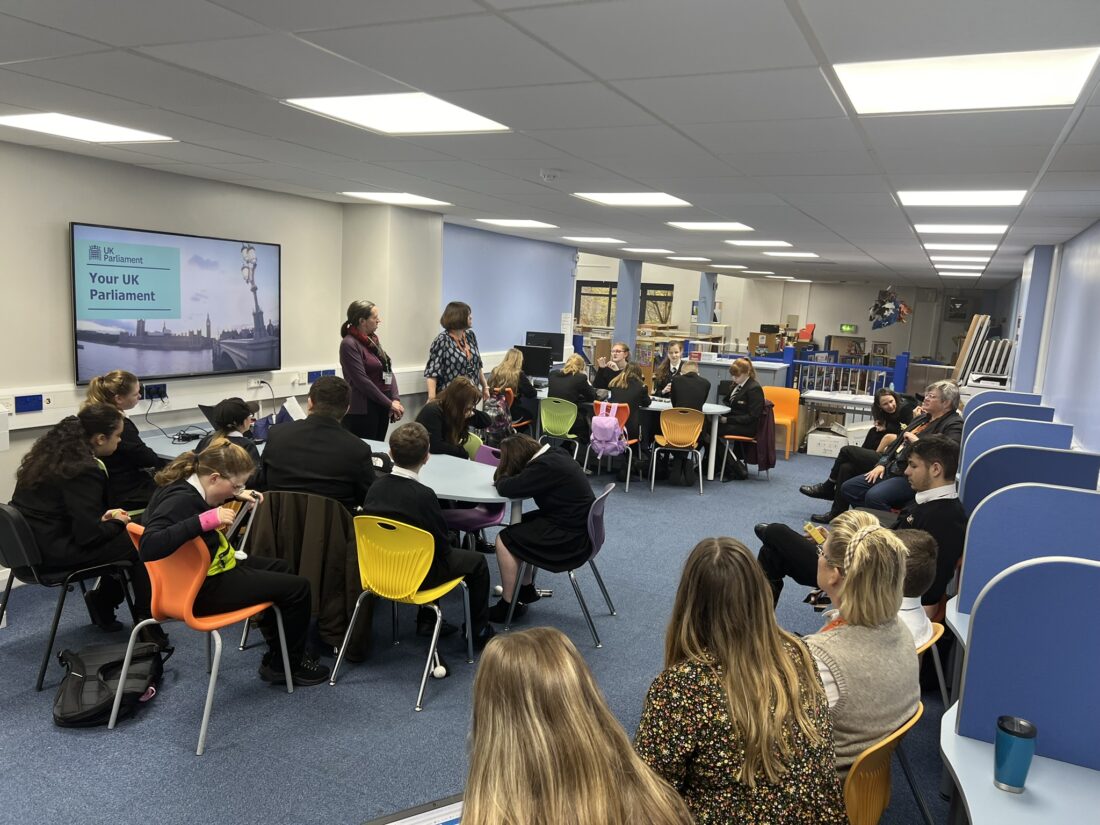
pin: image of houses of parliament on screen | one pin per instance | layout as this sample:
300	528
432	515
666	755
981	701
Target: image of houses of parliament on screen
164	305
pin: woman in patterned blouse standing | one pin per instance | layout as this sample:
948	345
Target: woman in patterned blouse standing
738	721
454	351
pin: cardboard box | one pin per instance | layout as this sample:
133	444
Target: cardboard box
857	432
825	443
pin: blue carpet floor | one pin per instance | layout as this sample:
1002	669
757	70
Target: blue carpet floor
356	751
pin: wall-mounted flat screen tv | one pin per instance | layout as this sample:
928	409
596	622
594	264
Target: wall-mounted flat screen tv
165	305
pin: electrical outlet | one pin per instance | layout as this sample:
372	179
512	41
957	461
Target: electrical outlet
298	378
254	383
156	392
8	403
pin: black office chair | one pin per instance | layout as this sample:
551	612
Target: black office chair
19	552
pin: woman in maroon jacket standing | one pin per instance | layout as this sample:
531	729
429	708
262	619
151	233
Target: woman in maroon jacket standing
367	367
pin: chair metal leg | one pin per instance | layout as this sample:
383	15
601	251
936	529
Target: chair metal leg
394	606
726	455
126	594
282	650
629	466
653	467
7	595
209	661
53	635
584	608
469	624
515	594
210	691
431	655
939	676
908	771
244	634
599	581
347	637
699	467
125	670
588	450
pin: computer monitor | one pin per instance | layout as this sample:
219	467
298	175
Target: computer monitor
554	340
536	361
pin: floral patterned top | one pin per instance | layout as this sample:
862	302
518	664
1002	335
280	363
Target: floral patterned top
686	737
447	360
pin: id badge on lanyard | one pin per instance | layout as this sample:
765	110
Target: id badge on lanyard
387	378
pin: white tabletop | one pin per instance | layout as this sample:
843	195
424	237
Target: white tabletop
660	404
958	622
844	398
1056	792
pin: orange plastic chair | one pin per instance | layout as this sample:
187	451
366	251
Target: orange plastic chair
680	431
937	633
786	401
622	413
175	582
510	398
867	788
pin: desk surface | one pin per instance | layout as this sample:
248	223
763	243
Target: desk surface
1056	792
958	622
658	404
842	398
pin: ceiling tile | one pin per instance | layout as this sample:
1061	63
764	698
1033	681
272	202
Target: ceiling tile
968	160
47	96
1080	158
496	146
333	14
966	129
568	105
652	141
1087	128
426	54
21	40
820	134
188	153
855	162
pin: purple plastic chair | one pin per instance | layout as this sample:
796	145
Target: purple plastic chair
596	536
473	520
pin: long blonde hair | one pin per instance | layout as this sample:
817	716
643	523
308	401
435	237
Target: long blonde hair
723	613
103	388
871	560
573	364
545	748
222	457
626	375
507	372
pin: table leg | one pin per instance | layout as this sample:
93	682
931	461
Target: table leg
713	447
516	515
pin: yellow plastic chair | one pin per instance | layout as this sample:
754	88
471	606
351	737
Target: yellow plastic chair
786	401
937	633
472	445
393	560
680	431
867	788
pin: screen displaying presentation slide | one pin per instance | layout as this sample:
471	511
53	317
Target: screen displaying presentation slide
441	812
164	305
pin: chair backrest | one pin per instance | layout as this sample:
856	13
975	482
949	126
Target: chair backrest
1012	464
557	415
472	445
979	400
17	545
393	557
622	411
487	455
786	401
937	632
681	426
867	788
508	393
1001	409
807	332
175	580
596	532
1001	431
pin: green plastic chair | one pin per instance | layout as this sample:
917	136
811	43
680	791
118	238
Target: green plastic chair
473	442
558	416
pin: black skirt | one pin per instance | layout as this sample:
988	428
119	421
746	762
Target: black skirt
538	540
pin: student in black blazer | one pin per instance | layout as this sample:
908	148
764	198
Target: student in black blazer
668	369
607	370
509	374
130	468
318	455
61	489
570	383
746	401
449	416
689	388
629	388
233	417
400	496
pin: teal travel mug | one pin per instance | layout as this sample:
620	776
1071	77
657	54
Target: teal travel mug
1013	749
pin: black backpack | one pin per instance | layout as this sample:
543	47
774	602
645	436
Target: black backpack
87	693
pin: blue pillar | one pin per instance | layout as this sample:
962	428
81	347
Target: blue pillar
901	372
1031	306
788	359
628	302
708	288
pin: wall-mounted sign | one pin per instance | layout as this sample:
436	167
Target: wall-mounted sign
849	329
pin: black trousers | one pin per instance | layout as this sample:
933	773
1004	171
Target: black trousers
787	554
120	548
259	579
372	424
850	462
471	564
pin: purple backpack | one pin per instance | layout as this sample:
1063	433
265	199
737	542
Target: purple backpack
608	438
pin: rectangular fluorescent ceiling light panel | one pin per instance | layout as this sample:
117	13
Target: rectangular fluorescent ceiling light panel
729	266
632	198
960	274
411	113
962	247
642	250
792	254
686	258
961	228
987	197
79	128
970	259
801	281
711	226
780	277
396	198
960	266
1008	80
517	223
579	239
758	243
759	272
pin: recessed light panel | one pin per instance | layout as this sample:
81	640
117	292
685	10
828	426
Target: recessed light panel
960	274
711	226
962	247
961	228
396	198
792	254
686	258
1009	80
986	197
729	266
780	277
412	113
758	243
801	281
578	239
970	259
642	250
79	128
514	223
960	266
632	198
759	272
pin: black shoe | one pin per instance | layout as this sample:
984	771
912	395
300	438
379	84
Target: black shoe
307	673
760	529
825	490
823	518
101	610
486	547
426	629
482	637
529	594
499	612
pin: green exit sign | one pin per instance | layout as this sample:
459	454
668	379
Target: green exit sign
849	329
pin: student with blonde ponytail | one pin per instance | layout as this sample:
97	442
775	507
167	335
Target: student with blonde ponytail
738	720
546	750
188	505
864	653
130	467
